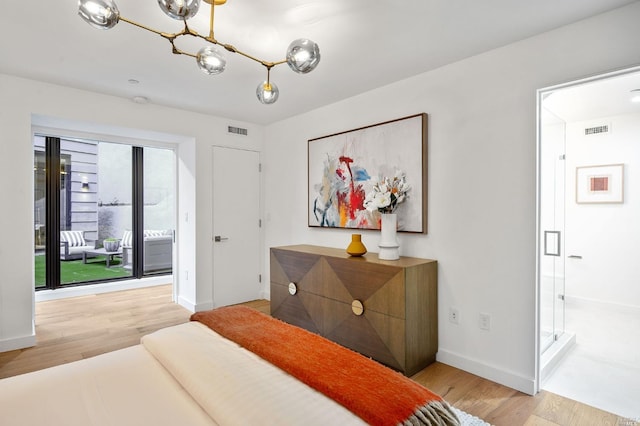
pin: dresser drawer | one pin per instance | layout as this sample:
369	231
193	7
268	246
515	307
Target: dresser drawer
293	267
379	287
372	334
291	309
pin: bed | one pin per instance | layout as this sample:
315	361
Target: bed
201	373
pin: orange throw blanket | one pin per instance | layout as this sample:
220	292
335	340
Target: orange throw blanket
373	392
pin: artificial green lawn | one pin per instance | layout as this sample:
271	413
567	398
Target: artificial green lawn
74	271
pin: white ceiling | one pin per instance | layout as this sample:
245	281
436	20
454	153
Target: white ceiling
364	44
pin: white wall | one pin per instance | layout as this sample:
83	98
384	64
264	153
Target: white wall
29	102
607	236
482	181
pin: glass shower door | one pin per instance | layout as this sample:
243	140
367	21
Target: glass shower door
552	224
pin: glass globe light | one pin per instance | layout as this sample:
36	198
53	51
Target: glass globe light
303	55
101	14
210	60
180	9
267	92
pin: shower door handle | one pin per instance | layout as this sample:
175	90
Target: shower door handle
574	256
552	243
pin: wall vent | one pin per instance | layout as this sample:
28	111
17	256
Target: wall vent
596	130
237	130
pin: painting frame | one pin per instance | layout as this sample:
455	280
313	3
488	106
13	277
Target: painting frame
343	167
600	184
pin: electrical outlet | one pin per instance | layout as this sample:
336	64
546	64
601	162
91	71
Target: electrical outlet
454	315
484	321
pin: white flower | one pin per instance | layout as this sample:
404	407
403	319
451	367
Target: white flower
382	200
387	193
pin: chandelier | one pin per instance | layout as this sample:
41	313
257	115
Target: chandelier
303	55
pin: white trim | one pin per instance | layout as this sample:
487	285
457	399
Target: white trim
503	377
17	343
106	287
188	304
65	128
590	79
540	93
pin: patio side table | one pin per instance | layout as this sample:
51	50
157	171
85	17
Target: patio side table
101	252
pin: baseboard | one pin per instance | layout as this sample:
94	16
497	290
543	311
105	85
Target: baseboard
17	343
194	307
187	304
265	294
489	372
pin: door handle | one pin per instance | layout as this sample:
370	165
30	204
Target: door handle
574	256
552	243
218	238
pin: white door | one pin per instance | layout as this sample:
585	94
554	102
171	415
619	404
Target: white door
236	226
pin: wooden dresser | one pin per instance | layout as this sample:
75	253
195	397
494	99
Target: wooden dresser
386	310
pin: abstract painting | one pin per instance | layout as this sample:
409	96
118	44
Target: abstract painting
344	167
600	184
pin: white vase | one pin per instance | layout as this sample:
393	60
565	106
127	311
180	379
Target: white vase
388	237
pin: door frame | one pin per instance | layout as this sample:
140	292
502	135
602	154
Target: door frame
260	257
540	95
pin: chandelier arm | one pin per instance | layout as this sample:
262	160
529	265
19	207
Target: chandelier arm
188	31
177	51
169	36
233	49
182	52
266	64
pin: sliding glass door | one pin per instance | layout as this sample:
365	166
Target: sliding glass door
88	215
158	211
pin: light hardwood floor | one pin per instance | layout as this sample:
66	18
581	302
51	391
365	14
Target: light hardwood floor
81	327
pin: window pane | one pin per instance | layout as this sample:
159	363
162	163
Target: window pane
39	213
159	202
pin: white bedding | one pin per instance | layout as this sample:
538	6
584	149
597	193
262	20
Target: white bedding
125	387
181	375
235	386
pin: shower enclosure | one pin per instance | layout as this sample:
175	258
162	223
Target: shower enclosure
552	178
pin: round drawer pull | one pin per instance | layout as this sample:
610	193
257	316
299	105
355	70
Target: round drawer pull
293	289
357	307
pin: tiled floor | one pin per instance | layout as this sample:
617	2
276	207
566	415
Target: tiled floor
603	368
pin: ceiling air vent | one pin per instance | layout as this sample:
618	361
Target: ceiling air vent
237	130
596	130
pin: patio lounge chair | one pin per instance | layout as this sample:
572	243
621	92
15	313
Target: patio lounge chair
73	244
158	247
